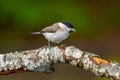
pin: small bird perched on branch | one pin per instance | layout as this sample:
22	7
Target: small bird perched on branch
57	32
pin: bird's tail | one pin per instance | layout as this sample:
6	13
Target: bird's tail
35	33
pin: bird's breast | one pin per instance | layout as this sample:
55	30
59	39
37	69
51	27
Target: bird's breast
56	37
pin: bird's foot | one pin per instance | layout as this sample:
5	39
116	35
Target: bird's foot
62	46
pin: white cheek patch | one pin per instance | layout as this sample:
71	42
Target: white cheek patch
62	25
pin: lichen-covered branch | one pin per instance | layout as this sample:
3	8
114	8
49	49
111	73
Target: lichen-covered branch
42	59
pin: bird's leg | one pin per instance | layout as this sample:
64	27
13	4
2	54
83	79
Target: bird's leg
49	45
62	45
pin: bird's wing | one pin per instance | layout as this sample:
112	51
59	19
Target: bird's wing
50	29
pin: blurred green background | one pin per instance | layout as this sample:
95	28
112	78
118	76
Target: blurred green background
97	23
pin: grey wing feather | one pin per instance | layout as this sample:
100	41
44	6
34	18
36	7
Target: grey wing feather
50	29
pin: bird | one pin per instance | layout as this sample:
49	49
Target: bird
56	32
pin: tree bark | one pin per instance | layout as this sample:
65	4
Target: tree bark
42	60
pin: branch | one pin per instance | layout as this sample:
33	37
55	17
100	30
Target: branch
42	60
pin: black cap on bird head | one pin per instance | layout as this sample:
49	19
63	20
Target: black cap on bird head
68	24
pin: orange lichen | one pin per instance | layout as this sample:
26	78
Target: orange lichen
99	60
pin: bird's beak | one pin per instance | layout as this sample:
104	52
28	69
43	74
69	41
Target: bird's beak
73	30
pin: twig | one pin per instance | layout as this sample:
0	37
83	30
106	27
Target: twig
41	60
